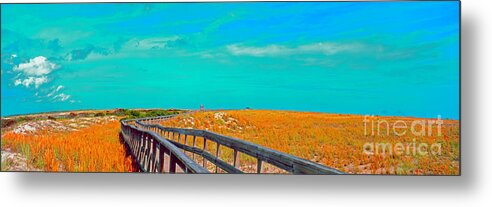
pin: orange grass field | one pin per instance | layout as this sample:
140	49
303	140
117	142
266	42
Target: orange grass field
335	140
96	148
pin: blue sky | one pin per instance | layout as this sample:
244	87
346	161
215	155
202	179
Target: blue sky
384	58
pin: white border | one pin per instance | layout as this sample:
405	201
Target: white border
473	187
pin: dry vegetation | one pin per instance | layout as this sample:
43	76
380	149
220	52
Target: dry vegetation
70	145
92	144
69	141
331	139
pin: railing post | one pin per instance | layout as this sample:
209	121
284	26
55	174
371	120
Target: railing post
217	156
161	159
140	147
236	159
153	156
194	145
172	163
132	142
147	152
258	167
144	152
204	149
135	142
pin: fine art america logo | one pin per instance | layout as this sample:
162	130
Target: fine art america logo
378	127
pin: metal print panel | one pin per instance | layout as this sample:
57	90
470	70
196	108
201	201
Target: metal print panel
246	87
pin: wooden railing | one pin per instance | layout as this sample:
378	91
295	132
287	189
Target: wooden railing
146	134
156	154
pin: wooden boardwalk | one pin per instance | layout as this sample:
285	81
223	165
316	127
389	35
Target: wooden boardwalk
160	149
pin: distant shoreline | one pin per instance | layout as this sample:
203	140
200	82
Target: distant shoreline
84	111
81	111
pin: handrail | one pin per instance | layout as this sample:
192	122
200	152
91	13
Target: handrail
150	149
281	160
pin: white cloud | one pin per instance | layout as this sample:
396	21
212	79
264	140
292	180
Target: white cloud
27	82
37	66
61	97
325	48
258	51
328	48
55	91
35	73
59	88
